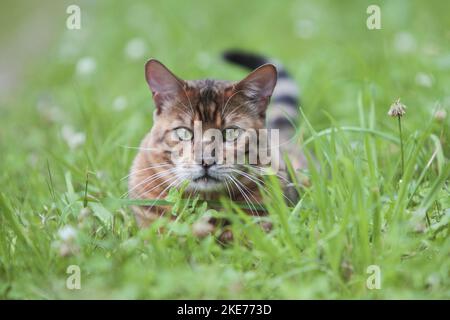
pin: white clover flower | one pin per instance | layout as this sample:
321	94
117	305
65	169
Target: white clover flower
72	43
305	28
424	80
440	115
135	49
86	66
100	174
433	281
202	227
72	138
33	159
66	244
443	62
84	213
204	60
51	113
67	233
404	42
120	103
48	110
397	109
431	49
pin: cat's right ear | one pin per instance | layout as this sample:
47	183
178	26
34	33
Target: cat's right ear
162	82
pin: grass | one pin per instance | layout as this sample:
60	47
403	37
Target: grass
359	210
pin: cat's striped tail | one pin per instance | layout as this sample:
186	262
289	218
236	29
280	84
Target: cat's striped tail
283	110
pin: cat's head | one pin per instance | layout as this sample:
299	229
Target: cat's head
194	114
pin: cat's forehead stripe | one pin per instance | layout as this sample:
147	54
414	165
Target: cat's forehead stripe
209	101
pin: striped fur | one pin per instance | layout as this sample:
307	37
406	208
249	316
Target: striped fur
283	111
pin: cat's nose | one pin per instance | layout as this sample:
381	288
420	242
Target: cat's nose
206	163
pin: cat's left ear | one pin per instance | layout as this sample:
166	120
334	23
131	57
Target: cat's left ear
162	82
259	84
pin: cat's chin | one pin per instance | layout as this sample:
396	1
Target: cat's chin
205	185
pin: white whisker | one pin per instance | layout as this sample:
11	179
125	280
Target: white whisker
259	182
229	114
189	100
145	169
243	193
226	103
140	148
156	186
150	179
174	183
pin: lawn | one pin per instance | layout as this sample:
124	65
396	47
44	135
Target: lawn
69	130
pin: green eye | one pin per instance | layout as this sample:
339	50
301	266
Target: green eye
232	134
184	134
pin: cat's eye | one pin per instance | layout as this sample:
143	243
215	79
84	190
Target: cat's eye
231	134
184	134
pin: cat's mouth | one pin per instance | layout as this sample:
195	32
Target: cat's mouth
206	178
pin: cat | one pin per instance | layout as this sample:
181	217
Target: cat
232	108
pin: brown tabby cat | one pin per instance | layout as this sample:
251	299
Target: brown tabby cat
231	107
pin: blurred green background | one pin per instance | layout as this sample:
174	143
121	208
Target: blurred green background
73	101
